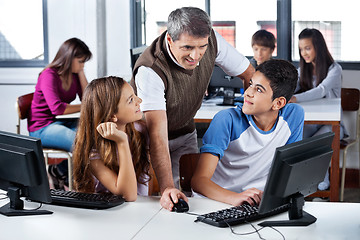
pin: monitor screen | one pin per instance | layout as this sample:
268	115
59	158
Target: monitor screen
221	84
296	171
220	79
22	173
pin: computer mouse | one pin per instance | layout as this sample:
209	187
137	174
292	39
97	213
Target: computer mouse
180	206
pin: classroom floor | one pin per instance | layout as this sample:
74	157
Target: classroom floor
352	195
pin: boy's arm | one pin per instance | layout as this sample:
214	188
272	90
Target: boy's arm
201	183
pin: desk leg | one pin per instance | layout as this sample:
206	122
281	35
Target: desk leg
334	173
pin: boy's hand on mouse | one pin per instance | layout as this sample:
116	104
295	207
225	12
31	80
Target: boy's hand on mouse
109	131
252	196
171	193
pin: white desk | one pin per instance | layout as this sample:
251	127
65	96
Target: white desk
334	221
71	115
318	110
144	219
65	223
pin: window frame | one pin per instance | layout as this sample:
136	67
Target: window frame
32	62
283	25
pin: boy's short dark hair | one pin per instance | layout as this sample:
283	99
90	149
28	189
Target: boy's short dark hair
282	75
263	38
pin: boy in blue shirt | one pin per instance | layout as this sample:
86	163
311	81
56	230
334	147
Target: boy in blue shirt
240	143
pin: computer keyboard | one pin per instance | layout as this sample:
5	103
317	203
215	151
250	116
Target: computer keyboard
237	215
84	200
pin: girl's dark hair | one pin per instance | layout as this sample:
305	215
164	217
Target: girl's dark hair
323	60
70	49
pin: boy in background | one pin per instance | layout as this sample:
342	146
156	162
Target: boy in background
240	143
263	46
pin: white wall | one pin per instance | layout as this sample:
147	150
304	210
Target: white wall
68	18
118	38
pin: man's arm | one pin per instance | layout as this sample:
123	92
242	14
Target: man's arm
156	122
233	62
201	182
247	75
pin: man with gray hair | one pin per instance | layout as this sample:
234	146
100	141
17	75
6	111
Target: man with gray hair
171	77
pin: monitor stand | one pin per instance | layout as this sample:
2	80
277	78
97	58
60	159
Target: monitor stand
16	206
297	217
229	96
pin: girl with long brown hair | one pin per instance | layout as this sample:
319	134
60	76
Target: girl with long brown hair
58	85
110	152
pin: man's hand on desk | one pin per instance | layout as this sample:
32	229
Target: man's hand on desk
172	193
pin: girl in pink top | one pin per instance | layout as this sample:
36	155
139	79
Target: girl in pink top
57	86
111	151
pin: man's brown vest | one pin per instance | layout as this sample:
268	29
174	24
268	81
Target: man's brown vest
184	89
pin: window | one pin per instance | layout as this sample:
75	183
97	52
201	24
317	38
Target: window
157	12
247	16
337	22
331	31
237	27
23	36
227	29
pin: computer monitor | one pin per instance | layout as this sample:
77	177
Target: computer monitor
296	171
221	84
22	173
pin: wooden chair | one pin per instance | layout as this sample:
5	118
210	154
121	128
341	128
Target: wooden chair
188	163
349	102
23	104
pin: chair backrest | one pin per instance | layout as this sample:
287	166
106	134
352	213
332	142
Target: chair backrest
188	163
350	98
23	104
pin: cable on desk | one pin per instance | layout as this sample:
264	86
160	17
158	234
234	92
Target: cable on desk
252	225
256	230
37	208
6	196
277	231
194	214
